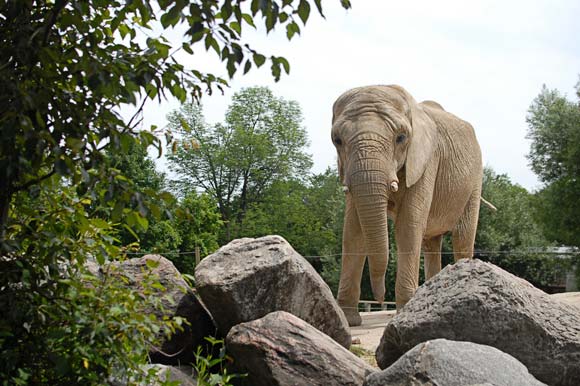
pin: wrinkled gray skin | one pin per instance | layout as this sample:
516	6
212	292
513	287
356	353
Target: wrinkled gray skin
415	162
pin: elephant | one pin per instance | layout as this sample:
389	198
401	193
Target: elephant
414	163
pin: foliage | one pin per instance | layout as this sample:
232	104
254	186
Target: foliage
160	237
198	224
205	366
510	237
554	129
62	324
260	142
145	181
307	214
66	69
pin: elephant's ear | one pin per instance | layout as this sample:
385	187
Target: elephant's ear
422	144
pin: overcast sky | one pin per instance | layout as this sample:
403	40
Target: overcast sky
484	61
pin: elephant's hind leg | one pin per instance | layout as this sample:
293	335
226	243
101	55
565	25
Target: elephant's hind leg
463	235
432	256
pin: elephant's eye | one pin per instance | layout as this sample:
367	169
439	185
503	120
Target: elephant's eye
337	141
401	138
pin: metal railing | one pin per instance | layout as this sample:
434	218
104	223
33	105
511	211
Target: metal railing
367	305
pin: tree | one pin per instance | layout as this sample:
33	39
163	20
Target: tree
145	181
198	222
554	129
261	141
511	237
66	68
308	214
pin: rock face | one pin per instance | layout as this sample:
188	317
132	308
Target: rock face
183	303
481	303
249	278
281	349
570	298
450	363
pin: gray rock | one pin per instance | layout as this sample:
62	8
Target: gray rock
281	349
177	299
481	303
569	298
249	278
451	363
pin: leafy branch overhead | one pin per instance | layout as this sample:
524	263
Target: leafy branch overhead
67	66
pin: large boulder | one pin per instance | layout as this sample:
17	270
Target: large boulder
481	303
249	278
281	349
177	299
451	363
569	298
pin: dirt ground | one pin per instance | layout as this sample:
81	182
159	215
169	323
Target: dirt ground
371	330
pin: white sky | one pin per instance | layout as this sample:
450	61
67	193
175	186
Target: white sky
484	61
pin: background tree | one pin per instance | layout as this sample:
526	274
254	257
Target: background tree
198	223
139	170
307	213
66	67
511	237
554	129
261	141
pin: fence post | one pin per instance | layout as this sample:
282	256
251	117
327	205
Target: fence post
197	256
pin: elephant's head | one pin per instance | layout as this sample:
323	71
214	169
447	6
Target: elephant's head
377	131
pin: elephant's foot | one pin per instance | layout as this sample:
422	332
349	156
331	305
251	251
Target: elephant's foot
352	316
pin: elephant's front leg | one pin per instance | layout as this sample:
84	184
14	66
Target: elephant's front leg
408	253
353	261
409	230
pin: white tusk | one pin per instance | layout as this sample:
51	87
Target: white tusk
394	186
489	204
345	189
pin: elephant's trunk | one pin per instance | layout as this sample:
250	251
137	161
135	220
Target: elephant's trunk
369	185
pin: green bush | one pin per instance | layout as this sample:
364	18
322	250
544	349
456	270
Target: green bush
62	324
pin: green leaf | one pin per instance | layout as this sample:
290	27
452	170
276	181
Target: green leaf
236	27
100	223
134	219
259	59
304	10
187	48
284	63
118	210
231	66
124	30
255	7
211	42
247	66
226	10
291	29
271	19
172	17
248	19
319	7
152	264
